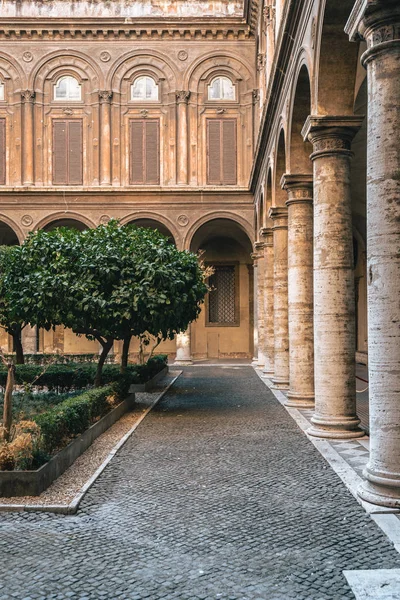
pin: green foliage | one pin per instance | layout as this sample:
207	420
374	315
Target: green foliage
44	358
66	377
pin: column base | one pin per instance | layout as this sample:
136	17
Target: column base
337	428
296	400
183	362
380	490
280	384
268	373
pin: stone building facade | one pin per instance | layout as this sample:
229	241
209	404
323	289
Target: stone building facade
263	132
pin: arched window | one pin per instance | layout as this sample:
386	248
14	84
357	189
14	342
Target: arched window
144	88
67	88
1	91
221	88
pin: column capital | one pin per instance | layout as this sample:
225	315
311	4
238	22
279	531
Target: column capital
299	188
279	215
331	134
28	95
375	21
267	234
105	96
182	96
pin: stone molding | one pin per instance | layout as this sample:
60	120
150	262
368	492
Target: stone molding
279	215
267	234
182	96
331	134
299	188
105	96
27	95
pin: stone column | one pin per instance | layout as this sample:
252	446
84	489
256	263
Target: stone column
29	340
183	348
380	26
334	304
254	362
267	236
58	337
105	97
259	257
279	215
182	98
300	289
27	97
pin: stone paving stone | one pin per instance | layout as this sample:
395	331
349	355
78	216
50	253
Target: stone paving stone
218	495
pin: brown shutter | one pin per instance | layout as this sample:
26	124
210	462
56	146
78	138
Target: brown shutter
60	158
75	152
136	151
229	152
2	151
152	152
214	151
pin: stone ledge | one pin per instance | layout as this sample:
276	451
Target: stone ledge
149	385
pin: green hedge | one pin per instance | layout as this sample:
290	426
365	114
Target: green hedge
75	415
41	358
72	376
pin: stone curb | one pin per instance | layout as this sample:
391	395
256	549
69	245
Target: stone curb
72	507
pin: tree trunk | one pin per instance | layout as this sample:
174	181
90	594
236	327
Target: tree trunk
106	347
7	408
19	351
125	353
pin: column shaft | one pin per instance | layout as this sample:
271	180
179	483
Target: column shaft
183	348
300	289
259	256
182	133
105	137
334	302
255	304
380	26
27	137
29	340
267	235
281	334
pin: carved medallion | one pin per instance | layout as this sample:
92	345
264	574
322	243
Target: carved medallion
182	55
105	56
183	220
104	219
26	220
68	111
27	56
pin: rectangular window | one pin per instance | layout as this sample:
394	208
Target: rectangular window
145	151
2	151
67	152
223	299
221	152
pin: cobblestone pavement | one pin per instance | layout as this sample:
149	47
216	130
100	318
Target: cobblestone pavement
218	495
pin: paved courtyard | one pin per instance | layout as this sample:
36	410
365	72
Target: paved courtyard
218	495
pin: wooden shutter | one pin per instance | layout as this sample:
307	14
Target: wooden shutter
67	152
75	152
229	152
60	158
136	152
145	151
221	152
152	152
2	151
214	151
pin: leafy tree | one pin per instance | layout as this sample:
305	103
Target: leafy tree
11	318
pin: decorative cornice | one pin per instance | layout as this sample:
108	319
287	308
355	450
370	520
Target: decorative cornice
182	96
331	134
299	188
105	96
279	215
267	234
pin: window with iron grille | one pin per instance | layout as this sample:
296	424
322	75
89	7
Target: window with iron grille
222	299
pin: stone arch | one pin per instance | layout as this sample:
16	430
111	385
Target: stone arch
336	61
11	73
164	223
279	195
142	62
298	150
240	221
64	216
10	233
62	62
212	64
154	224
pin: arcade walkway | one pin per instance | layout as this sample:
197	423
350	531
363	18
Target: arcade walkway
218	495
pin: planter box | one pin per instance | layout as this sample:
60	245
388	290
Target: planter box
149	385
33	483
